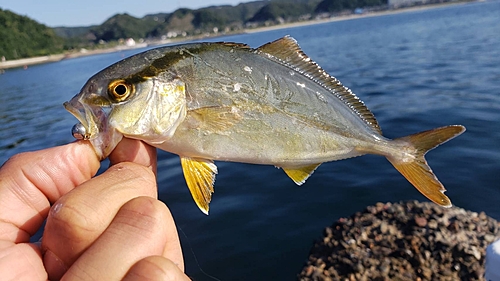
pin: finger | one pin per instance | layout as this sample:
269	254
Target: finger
31	181
155	268
82	215
21	262
129	150
139	230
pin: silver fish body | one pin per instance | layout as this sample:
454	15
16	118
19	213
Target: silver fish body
225	101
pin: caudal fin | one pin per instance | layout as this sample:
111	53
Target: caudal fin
416	170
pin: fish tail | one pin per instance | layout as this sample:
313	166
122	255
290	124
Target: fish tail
414	167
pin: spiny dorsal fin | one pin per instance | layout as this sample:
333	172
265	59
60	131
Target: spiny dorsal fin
200	177
301	174
234	45
288	52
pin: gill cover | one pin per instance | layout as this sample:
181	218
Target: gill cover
152	111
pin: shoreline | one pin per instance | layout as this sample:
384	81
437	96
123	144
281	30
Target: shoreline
356	16
25	62
30	61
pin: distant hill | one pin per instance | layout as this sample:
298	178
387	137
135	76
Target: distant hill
67	32
332	6
177	22
22	37
123	26
283	11
224	18
202	20
182	21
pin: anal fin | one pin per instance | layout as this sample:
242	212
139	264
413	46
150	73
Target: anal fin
200	177
301	174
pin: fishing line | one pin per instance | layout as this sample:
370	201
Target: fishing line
196	259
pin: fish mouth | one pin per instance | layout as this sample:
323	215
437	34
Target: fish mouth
95	121
78	111
89	117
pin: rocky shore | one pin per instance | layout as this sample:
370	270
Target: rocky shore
403	241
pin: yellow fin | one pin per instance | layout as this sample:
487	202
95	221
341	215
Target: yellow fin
216	119
200	178
301	174
417	171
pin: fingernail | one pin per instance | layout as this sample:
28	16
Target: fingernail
55	266
56	208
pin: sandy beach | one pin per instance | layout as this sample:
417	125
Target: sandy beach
53	58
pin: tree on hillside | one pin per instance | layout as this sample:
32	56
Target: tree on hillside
22	37
122	26
285	10
208	18
331	6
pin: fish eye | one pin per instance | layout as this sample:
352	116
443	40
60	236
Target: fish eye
119	90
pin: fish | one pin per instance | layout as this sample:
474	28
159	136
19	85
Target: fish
225	101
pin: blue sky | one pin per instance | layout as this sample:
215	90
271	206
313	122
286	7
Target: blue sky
88	12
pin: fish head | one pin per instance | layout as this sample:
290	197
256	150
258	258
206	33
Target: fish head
126	100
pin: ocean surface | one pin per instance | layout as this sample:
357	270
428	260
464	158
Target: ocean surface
415	70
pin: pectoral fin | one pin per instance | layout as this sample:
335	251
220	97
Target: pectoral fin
301	174
200	178
215	119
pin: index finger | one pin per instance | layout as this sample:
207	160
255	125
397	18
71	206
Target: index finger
30	182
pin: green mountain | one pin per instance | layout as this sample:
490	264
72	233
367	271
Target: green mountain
223	18
178	22
205	19
332	6
220	16
23	37
123	26
67	32
284	11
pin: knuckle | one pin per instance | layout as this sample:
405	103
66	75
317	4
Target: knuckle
70	221
143	217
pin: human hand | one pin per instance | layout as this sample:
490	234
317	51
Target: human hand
110	227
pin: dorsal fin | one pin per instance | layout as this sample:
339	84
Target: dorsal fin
234	45
288	52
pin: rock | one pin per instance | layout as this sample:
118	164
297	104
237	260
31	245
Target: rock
433	224
489	238
383	227
420	221
426	273
403	241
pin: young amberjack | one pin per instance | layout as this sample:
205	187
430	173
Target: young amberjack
226	101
